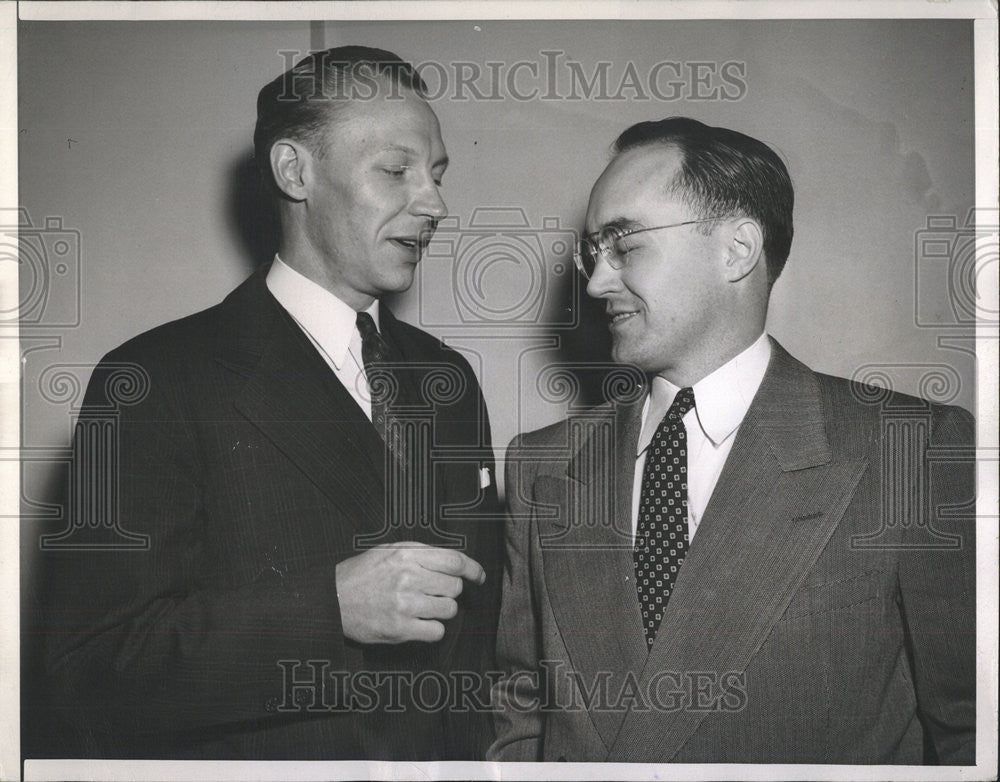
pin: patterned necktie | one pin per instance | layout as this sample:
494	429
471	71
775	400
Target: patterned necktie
382	381
661	538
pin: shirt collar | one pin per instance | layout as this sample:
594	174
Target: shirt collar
721	398
330	321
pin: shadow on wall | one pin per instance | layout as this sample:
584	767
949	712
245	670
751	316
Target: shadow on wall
585	349
250	212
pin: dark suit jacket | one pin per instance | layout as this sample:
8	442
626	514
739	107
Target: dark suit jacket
824	612
251	470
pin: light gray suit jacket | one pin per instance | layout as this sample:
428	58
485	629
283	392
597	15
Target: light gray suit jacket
824	613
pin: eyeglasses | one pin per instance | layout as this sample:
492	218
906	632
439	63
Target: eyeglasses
606	244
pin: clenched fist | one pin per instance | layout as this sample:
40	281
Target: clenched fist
401	591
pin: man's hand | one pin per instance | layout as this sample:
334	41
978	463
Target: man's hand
399	592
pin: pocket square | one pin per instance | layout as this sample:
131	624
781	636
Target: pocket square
484	477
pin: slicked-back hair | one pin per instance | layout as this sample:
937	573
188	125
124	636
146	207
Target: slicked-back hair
726	174
298	103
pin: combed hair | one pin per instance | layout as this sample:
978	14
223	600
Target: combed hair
726	174
297	104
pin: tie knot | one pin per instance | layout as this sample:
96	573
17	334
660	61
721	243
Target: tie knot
682	403
366	326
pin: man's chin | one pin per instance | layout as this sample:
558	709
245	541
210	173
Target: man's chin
624	353
400	278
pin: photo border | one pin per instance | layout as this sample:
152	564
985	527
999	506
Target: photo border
988	368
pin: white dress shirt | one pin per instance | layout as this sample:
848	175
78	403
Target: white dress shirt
329	322
721	401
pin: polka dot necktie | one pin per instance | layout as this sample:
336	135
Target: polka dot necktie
376	354
661	537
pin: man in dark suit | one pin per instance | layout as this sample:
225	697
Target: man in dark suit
745	561
319	574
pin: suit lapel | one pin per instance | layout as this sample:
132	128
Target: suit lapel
775	506
586	545
291	395
434	388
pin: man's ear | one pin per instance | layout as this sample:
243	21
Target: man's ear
744	250
290	163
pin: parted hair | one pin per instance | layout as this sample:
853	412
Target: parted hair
725	173
298	103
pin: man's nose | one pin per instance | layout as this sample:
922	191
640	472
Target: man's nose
428	203
604	279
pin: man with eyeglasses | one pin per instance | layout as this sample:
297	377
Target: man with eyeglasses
747	562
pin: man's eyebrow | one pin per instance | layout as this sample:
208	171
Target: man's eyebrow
618	222
441	161
399	148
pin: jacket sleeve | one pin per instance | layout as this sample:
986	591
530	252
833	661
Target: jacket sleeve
138	646
517	695
938	588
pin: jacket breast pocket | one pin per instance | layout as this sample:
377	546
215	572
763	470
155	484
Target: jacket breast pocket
832	595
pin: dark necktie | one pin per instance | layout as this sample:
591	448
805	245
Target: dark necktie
383	381
661	537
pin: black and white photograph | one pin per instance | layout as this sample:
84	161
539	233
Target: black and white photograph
424	390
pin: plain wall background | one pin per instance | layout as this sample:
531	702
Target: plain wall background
138	135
